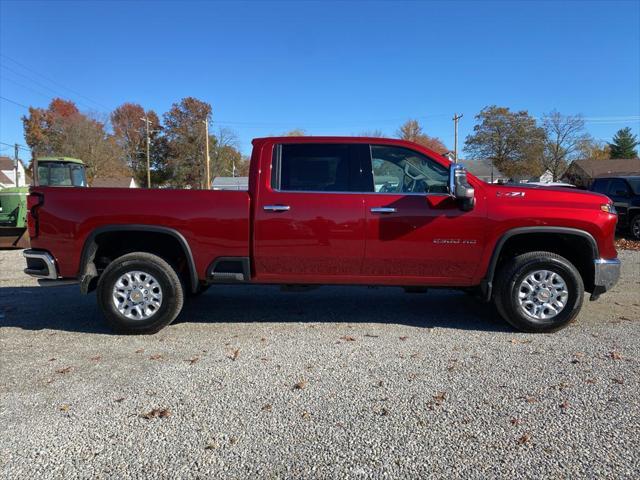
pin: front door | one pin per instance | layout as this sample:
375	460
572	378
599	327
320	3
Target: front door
309	220
415	231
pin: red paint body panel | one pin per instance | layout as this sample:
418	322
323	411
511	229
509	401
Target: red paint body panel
325	237
214	223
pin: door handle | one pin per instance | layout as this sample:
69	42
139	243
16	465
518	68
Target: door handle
383	210
277	208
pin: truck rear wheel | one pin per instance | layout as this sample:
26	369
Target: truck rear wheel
139	293
539	292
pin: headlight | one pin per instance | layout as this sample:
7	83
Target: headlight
609	208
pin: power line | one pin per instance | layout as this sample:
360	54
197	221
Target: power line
56	92
13	101
53	81
21	147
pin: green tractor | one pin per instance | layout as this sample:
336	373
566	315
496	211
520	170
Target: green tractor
52	172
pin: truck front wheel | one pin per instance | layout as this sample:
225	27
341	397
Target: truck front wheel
139	293
539	292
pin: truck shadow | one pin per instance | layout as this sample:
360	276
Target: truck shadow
64	309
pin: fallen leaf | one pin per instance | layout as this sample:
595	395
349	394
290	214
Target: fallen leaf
439	398
371	336
140	350
306	415
564	405
515	421
97	358
590	380
403	338
525	438
157	356
384	412
619	381
348	338
266	407
157	413
119	400
380	383
212	445
52	359
615	355
516	341
64	408
300	385
234	354
233	440
64	370
193	360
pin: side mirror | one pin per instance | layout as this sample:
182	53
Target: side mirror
460	189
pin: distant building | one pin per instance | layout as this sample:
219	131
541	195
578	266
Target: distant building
122	181
230	183
8	173
484	170
582	172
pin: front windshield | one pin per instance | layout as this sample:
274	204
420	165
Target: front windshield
635	184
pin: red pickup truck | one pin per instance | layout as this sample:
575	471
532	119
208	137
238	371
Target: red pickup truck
329	210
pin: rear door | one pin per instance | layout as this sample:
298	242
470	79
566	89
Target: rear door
309	220
415	231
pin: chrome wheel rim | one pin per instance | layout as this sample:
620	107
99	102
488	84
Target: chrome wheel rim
137	295
542	294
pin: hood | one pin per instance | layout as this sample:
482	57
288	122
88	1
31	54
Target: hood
545	195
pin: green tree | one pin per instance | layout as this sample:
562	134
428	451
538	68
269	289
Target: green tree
226	159
185	134
624	144
511	140
411	130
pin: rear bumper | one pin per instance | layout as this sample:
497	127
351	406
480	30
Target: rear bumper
606	275
40	264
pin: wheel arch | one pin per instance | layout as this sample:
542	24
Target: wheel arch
530	232
88	272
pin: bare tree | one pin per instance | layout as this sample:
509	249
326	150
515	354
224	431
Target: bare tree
372	133
564	135
411	130
226	159
296	132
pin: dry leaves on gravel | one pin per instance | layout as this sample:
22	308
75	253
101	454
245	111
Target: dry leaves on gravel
64	370
300	385
625	244
156	413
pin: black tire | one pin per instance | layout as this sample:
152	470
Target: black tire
168	280
514	273
634	227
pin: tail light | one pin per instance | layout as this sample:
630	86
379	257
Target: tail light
34	201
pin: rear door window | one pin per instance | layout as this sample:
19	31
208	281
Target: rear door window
317	167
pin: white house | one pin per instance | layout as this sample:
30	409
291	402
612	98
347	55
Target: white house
8	173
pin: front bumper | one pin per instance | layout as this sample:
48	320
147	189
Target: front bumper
606	275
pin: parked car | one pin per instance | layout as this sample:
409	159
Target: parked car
624	191
314	214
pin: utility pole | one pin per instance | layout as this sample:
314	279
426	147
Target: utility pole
15	154
206	148
146	121
456	117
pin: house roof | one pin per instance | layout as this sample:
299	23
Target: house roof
598	168
4	179
482	168
112	182
7	163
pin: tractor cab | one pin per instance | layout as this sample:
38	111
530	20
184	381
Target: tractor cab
61	172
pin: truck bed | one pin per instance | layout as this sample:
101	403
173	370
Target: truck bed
214	223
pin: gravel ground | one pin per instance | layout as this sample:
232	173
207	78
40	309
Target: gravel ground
336	382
